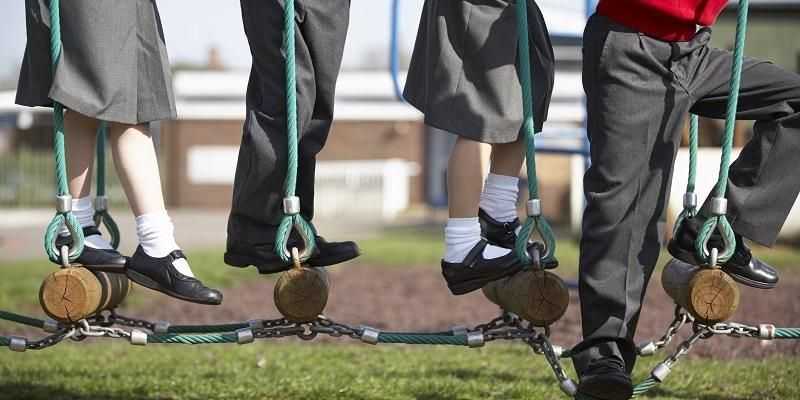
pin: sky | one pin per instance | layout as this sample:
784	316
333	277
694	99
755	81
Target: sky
191	27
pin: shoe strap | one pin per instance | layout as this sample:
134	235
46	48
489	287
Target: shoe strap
475	253
91	230
177	254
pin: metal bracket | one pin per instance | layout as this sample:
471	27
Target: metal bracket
369	335
244	336
161	327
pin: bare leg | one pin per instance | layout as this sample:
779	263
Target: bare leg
465	173
465	178
80	139
507	158
137	166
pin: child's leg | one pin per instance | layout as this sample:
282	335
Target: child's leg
464	177
80	140
137	166
499	196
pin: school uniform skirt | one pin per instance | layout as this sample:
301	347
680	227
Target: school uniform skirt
113	63
464	69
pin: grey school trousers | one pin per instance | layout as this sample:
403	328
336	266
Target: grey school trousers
258	189
639	93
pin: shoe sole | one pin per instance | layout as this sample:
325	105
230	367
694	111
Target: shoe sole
688	257
611	388
244	261
153	285
475	284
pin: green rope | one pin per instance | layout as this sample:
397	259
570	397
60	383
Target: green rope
689	212
296	220
21	319
644	386
720	222
167	338
787	333
103	217
205	328
388	337
532	223
4	341
61	169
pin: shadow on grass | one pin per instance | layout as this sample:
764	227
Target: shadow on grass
37	391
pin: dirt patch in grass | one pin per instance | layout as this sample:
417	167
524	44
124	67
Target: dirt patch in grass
417	300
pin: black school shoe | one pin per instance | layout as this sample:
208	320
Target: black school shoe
95	259
160	275
475	271
503	234
498	233
606	379
263	256
743	267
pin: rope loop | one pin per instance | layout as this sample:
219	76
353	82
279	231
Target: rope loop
531	226
720	224
305	231
76	232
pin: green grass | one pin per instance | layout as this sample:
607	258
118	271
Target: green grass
313	371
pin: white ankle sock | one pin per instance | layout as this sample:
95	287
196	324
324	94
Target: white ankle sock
155	231
499	197
83	210
461	235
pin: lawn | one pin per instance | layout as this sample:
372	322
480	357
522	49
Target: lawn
313	371
289	369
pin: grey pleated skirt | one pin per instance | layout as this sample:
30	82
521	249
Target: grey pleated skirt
464	69
113	63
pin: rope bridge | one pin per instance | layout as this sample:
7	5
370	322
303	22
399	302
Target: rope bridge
106	323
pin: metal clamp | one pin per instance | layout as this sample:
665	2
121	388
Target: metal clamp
138	338
255	323
475	339
244	336
533	207
569	387
369	335
50	326
161	327
18	343
101	203
646	349
689	200
661	371
291	205
766	331
719	206
460	330
63	203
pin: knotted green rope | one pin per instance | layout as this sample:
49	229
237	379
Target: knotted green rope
534	222
61	167
720	222
101	214
292	220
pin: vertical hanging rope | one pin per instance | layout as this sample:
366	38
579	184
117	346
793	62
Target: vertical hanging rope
101	214
690	209
63	212
533	222
720	222
293	219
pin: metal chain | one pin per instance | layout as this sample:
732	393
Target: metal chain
649	348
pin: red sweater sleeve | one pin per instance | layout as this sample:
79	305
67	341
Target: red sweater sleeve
671	20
